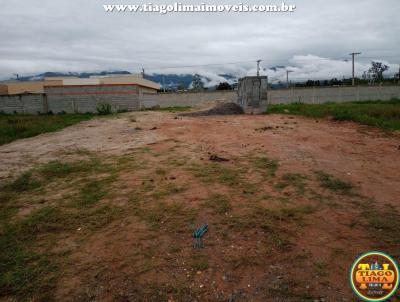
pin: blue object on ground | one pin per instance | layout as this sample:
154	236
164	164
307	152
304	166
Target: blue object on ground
198	234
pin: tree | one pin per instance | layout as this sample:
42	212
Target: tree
377	69
197	84
180	86
224	86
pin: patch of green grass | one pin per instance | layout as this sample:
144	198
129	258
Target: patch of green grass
199	261
381	114
218	202
27	273
14	127
8	207
23	271
167	190
321	268
332	183
337	252
266	165
44	174
37	179
271	221
250	189
29	268
218	173
245	261
174	217
161	172
290	290
92	192
24	182
292	179
56	168
174	249
158	292
177	162
294	213
384	223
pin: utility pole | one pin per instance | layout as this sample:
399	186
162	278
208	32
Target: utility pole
287	77
399	74
258	68
143	73
353	54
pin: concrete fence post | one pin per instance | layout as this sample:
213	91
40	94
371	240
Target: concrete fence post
21	104
140	98
313	95
291	95
45	103
358	93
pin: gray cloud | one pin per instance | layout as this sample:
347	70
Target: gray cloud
80	36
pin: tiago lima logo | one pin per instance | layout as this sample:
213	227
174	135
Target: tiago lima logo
374	276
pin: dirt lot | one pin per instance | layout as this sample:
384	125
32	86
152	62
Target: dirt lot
296	202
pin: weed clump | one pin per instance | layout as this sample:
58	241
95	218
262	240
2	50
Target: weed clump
103	109
25	182
267	166
218	202
332	183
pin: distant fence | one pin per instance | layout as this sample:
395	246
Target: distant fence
311	95
123	98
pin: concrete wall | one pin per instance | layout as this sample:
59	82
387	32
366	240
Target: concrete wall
319	95
192	99
86	98
310	95
23	103
127	97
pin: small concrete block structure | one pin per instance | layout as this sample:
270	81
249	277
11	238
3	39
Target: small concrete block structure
252	94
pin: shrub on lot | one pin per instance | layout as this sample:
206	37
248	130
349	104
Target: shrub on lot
103	109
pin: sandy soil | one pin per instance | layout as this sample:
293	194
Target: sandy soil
106	266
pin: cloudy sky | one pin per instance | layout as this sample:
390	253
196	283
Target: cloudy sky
314	41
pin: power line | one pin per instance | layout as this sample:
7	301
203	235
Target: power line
201	65
379	57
